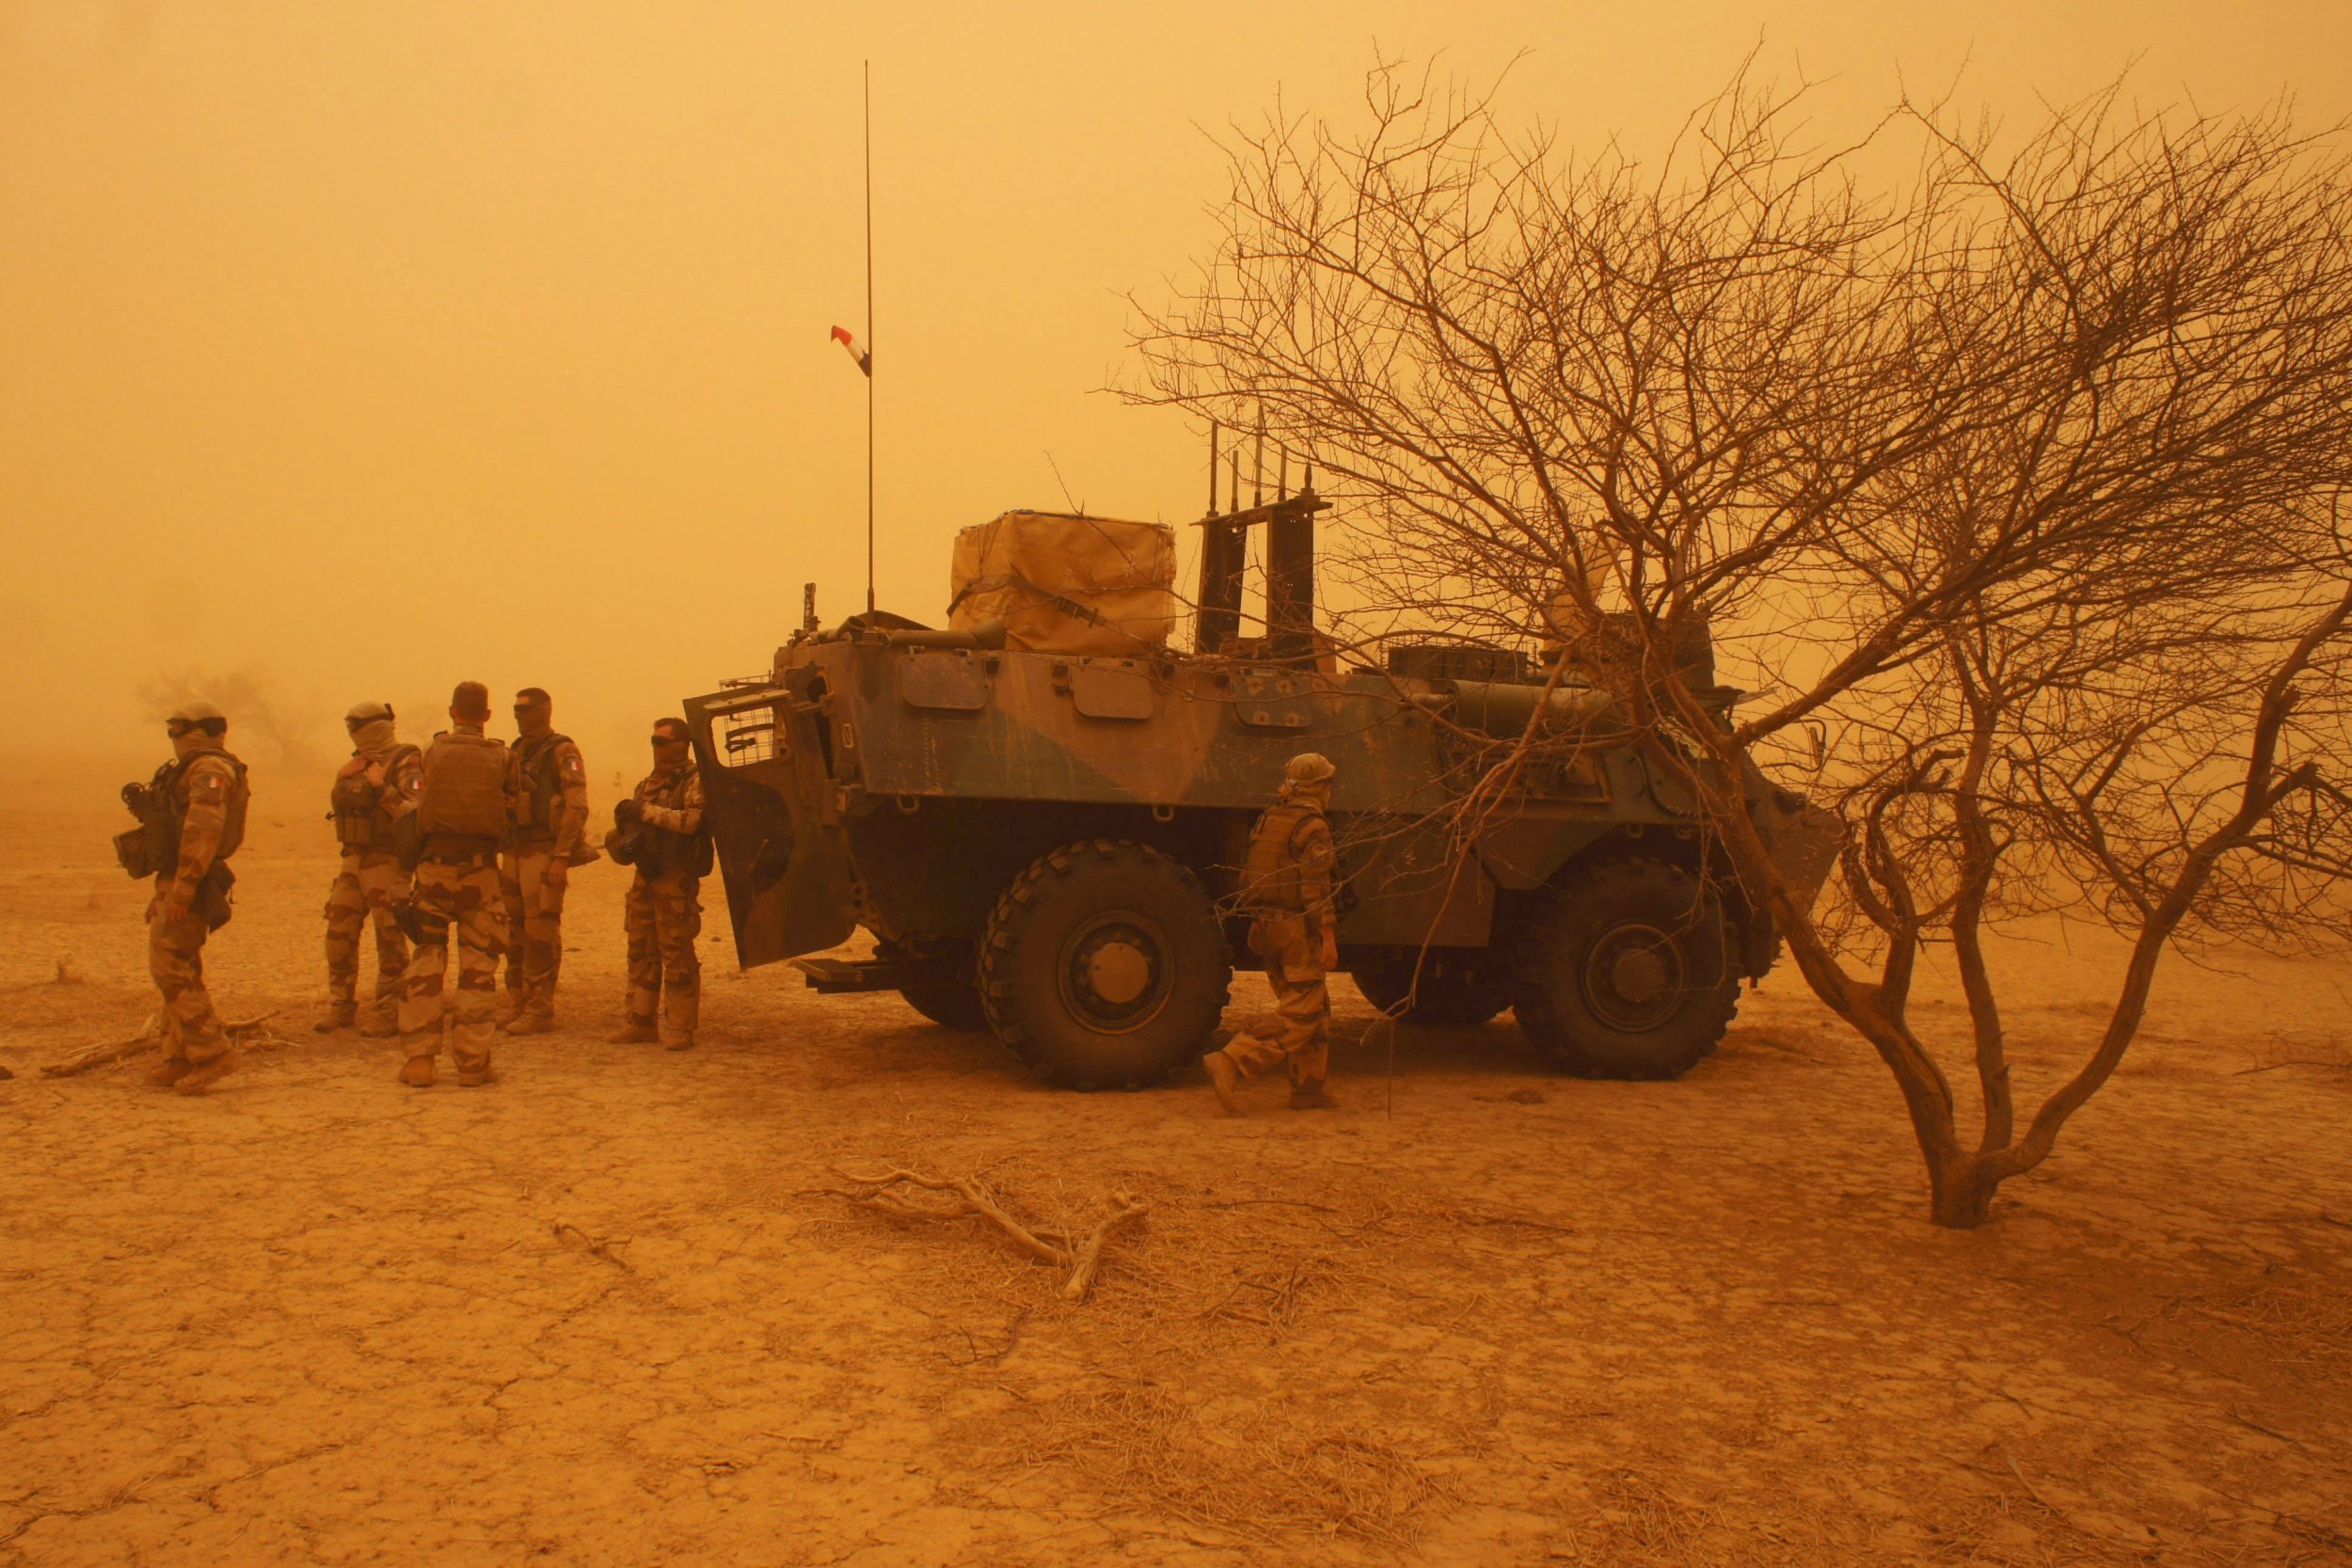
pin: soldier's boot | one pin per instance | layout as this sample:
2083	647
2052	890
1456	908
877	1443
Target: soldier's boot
473	1075
379	1025
528	1022
206	1074
167	1073
637	1031
509	1009
682	1039
1224	1078
339	1015
1310	1096
418	1075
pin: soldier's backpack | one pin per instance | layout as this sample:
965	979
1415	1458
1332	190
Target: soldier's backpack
1269	873
355	805
465	788
153	847
140	850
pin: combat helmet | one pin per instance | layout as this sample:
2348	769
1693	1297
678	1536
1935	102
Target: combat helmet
367	713
1307	769
195	712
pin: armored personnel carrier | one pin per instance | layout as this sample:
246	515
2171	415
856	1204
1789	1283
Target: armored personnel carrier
1037	810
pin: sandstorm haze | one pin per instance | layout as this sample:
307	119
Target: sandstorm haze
362	349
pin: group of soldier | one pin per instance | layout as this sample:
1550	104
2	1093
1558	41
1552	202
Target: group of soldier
467	838
475	838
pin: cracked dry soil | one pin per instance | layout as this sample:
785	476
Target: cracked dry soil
602	1312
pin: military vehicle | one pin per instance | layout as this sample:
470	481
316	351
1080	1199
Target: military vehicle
1038	815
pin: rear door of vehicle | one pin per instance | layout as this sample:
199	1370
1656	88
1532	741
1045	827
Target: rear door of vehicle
764	774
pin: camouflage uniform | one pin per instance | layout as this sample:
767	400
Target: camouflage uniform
1287	887
372	881
456	884
662	915
546	789
205	795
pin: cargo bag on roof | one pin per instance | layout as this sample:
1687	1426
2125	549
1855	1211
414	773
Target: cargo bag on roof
1064	584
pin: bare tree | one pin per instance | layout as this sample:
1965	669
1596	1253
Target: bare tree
2014	486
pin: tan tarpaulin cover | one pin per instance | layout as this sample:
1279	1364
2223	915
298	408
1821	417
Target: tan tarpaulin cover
1068	585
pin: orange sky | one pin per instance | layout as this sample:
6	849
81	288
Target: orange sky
379	346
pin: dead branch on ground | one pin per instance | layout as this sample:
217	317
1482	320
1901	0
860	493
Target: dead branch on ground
595	1246
250	1034
1079	1252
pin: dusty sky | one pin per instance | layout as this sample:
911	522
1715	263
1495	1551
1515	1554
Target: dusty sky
371	346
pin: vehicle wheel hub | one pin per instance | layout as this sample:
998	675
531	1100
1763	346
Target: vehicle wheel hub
1633	978
1118	972
1638	976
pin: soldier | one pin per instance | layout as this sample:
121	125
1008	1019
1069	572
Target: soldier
546	790
372	879
459	796
659	830
1286	885
191	820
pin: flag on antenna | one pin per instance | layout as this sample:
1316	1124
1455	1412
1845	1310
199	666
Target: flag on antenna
848	340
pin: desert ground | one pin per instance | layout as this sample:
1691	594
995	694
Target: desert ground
606	1311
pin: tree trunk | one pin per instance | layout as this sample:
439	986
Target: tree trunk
1961	1188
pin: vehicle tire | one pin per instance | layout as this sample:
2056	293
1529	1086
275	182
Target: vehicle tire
950	1004
1458	985
1104	966
1628	971
940	987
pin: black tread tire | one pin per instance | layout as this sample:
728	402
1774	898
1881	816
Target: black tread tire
950	1004
1562	930
1020	954
942	987
1458	986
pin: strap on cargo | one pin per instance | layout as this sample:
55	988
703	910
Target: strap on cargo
1016	579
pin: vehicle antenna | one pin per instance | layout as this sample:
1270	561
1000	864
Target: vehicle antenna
1257	465
1212	468
869	336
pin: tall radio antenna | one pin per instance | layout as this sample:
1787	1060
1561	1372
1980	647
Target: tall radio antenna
862	355
869	335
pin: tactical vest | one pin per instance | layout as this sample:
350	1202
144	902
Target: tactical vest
358	805
1269	873
687	854
540	782
463	808
171	795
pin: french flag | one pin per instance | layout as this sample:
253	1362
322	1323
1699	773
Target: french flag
848	339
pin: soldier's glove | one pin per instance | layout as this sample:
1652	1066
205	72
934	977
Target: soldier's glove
135	797
628	813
